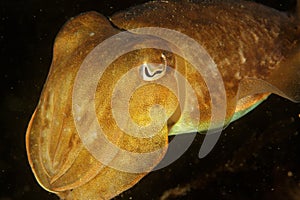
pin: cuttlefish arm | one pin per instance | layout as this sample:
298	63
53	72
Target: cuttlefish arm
56	154
256	48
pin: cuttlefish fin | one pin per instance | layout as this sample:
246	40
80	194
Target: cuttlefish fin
283	81
287	77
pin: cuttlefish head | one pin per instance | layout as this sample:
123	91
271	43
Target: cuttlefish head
93	122
57	152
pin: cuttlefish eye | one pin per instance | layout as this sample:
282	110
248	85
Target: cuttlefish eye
153	71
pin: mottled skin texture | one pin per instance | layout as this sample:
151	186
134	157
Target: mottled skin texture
244	43
246	40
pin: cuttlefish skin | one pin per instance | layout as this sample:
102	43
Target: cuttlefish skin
253	46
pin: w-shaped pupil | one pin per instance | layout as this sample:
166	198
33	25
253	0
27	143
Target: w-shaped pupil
153	74
152	71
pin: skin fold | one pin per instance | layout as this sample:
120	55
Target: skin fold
256	50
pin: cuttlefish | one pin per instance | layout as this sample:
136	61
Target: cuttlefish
256	50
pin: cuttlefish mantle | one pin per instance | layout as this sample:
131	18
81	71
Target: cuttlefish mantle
256	50
257	55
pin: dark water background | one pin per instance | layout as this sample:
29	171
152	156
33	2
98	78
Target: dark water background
257	157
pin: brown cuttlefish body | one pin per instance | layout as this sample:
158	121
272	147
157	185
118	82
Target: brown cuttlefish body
256	51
